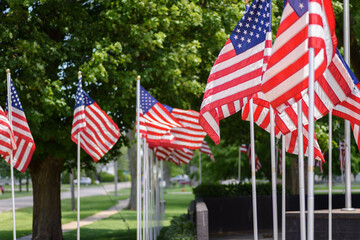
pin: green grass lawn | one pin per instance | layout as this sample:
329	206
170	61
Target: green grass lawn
88	205
7	194
115	228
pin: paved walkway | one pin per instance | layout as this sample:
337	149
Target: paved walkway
23	202
89	220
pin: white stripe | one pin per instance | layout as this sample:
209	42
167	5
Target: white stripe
238	58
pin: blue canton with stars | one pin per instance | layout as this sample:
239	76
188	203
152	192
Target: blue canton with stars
146	100
79	99
82	98
170	109
15	100
253	26
299	6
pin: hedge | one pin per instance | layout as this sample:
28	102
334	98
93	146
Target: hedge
232	190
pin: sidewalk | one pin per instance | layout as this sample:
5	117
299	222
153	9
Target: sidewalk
89	220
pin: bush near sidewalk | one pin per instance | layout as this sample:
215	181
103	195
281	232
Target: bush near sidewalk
181	228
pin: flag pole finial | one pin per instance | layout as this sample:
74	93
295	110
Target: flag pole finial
7	70
138	77
79	73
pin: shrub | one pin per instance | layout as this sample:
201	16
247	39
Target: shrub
232	190
106	177
180	229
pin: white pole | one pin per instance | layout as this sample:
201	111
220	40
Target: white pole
162	207
78	186
157	198
347	123
239	174
199	166
78	178
151	189
145	212
11	156
330	175
138	162
310	223
283	192
253	173
301	173
273	174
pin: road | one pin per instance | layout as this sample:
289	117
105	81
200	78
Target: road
23	202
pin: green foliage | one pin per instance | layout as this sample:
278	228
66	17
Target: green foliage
180	228
122	177
232	190
106	177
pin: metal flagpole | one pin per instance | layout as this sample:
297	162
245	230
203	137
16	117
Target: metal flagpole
145	172
273	174
310	222
138	161
78	178
239	163
253	173
162	207
301	173
283	192
151	193
8	76
157	197
330	175
199	166
347	123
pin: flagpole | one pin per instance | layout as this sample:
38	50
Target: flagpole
301	173
283	192
310	199
157	197
348	206
138	161
273	174
8	75
151	193
162	208
330	175
253	173
78	178
199	166
145	192
239	163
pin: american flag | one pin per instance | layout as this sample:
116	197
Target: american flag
155	120
356	132
190	135
237	72
291	144
98	131
286	78
243	148
175	155
331	89
257	161
320	165
261	114
342	154
279	154
206	149
7	140
23	138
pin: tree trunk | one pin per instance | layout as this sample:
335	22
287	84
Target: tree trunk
45	175
27	182
20	187
293	177
72	189
132	165
167	174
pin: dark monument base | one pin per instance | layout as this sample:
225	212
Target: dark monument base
345	224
